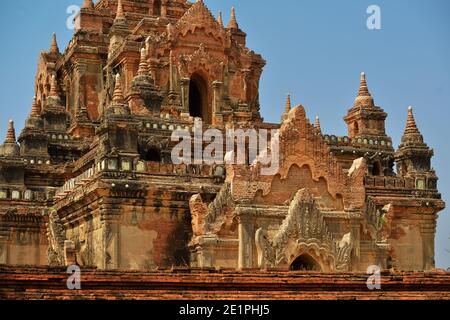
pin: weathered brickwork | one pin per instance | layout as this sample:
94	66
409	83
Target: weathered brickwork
90	178
181	284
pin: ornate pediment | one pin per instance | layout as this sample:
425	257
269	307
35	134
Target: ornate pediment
300	145
304	221
200	59
304	231
199	16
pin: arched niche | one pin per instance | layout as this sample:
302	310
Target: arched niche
305	263
355	129
152	155
156	8
199	98
377	169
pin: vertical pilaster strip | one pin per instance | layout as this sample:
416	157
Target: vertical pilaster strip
428	231
184	84
79	98
246	243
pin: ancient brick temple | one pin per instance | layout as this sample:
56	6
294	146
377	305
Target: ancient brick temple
90	178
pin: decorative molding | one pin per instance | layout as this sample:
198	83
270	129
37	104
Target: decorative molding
200	60
304	231
198	16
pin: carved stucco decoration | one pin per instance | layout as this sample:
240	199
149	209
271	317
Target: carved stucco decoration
200	60
162	145
300	145
85	257
154	45
199	211
108	240
304	231
199	16
153	40
386	222
147	143
378	220
343	252
209	220
56	238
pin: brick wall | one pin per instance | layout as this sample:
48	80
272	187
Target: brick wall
50	283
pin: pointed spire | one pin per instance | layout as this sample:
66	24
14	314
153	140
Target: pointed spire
219	18
54	47
364	98
288	104
318	124
233	22
143	66
413	155
34	108
120	14
363	89
53	87
11	133
411	127
118	97
88	4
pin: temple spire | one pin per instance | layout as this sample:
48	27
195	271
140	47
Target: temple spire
318	124
233	22
363	89
34	108
288	104
11	133
53	87
54	47
411	127
364	98
120	15
143	66
413	155
219	18
88	4
118	97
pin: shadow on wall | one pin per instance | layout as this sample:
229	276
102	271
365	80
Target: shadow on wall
177	252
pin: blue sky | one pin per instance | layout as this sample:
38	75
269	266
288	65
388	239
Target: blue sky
315	50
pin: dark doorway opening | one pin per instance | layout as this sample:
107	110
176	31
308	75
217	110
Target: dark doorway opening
156	7
305	263
198	98
355	129
376	169
152	155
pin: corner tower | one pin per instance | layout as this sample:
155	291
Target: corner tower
413	156
367	136
365	119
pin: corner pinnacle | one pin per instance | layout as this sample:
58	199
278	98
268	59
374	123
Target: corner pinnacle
54	47
118	97
318	124
233	22
288	104
11	133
